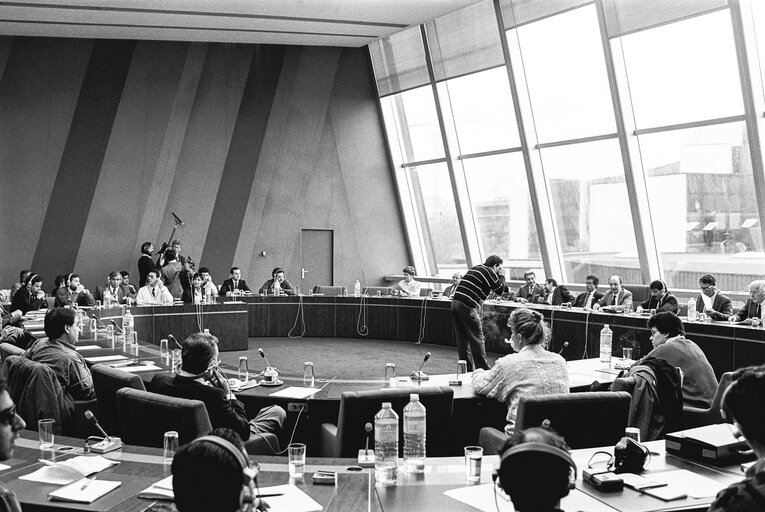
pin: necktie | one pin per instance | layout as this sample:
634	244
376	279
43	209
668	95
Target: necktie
154	292
613	302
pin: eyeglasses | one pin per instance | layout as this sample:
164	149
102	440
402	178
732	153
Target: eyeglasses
7	416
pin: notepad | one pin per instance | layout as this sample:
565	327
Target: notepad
70	470
292	498
74	493
295	392
103	359
87	347
148	367
162	490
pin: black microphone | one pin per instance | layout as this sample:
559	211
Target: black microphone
170	336
564	347
117	326
263	355
419	374
94	317
178	220
92	418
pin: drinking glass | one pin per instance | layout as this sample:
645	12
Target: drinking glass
170	446
45	428
473	457
163	348
308	375
627	353
296	452
461	368
390	374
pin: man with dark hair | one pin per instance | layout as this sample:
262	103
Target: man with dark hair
209	476
207	283
126	281
10	425
30	297
114	291
753	307
235	282
660	299
587	298
200	379
145	263
22	279
711	302
530	291
154	293
58	352
171	274
744	405
555	295
670	344
73	293
471	291
277	283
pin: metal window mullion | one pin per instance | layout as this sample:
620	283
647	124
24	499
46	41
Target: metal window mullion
465	219
544	216
744	37
637	188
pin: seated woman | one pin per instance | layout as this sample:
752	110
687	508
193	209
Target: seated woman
196	293
669	342
744	405
531	371
408	287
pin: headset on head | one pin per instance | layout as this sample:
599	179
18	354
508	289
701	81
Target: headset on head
276	271
507	457
249	474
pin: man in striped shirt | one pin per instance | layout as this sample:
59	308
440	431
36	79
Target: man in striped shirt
472	290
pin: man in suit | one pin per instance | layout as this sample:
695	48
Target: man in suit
530	291
753	308
660	299
711	302
114	291
616	296
554	294
235	282
201	379
587	298
449	292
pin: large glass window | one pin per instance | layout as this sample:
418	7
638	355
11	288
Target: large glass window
566	75
758	15
431	193
482	109
592	211
412	124
684	71
703	205
499	197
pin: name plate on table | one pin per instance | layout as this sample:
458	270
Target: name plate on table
713	443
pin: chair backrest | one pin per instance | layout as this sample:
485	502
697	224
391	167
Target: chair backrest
624	384
640	293
359	408
330	290
372	290
726	379
106	381
8	349
585	420
147	416
425	292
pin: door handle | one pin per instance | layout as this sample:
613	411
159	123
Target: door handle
303	272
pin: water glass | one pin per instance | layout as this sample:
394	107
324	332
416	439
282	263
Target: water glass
132	339
473	457
244	372
632	433
163	348
390	373
45	429
170	446
98	304
627	353
461	368
308	375
175	357
296	452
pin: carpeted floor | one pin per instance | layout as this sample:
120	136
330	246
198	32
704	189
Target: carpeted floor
346	358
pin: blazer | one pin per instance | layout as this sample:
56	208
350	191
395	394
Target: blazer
122	292
624	299
722	306
667	303
559	295
750	310
536	292
228	286
579	302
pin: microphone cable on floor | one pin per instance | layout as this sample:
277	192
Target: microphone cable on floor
423	316
299	316
361	321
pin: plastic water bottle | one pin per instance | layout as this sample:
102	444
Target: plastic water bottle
691	309
386	445
127	323
605	344
414	435
356	288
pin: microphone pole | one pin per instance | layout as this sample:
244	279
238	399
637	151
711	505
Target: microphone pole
419	375
170	336
366	458
117	326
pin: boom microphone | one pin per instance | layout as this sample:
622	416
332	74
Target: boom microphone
419	374
564	347
178	220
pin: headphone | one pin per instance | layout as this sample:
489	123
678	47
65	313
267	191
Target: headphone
249	474
511	458
276	271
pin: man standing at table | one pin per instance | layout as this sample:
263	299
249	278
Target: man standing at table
587	298
471	291
10	425
235	282
530	291
711	302
153	294
616	296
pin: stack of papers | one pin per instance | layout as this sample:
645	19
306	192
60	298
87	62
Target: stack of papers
103	359
68	471
291	499
146	366
162	490
238	385
83	491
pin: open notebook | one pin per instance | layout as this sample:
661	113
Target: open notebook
83	491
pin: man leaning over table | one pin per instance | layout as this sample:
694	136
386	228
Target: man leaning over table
154	293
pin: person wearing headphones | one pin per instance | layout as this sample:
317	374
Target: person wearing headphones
660	299
743	404
75	293
213	472
532	370
536	470
30	296
201	379
277	285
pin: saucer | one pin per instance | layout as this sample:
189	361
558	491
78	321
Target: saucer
275	383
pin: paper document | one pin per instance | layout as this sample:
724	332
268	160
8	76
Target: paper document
238	385
146	367
293	499
103	359
74	493
162	490
70	470
696	486
295	392
87	347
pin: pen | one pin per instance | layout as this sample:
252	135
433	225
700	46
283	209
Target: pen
270	495
87	483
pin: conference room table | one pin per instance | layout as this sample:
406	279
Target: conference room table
440	487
